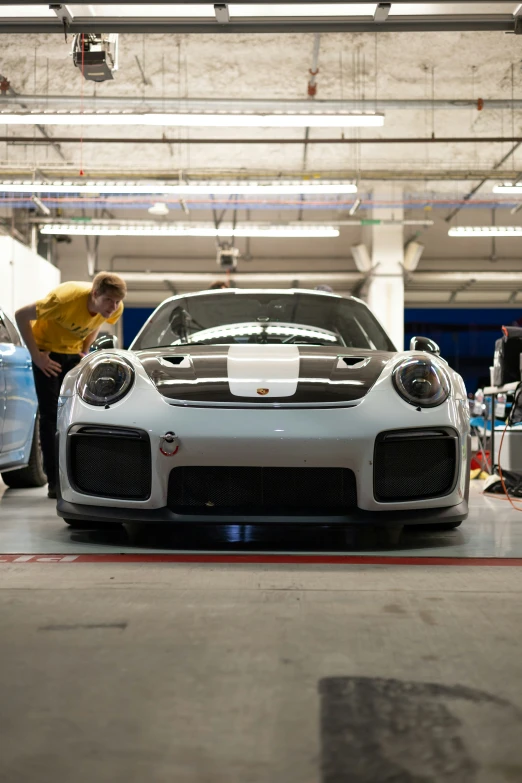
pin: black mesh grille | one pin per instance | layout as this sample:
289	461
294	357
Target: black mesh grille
261	490
414	467
115	465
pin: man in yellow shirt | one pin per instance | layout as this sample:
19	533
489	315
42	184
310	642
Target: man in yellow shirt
58	330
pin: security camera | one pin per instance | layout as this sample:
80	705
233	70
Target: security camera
227	257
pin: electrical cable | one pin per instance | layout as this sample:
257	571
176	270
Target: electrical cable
508	423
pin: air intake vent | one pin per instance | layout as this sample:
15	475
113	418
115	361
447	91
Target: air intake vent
174	359
353	362
258	490
415	464
109	462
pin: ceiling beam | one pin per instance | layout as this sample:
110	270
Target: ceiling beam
149	25
198	2
46	170
421	278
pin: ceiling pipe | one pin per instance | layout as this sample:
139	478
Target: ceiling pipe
53	171
253	277
30	140
48	103
286	259
407	23
195	224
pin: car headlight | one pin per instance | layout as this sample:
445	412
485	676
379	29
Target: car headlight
105	380
421	382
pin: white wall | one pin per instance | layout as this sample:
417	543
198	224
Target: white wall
24	275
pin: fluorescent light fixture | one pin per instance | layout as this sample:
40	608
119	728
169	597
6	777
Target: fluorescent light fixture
361	257
485	231
508	187
301	120
355	206
300	9
412	255
191	11
160	209
207	189
44	210
187	230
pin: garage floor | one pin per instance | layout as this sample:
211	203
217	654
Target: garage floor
259	672
29	525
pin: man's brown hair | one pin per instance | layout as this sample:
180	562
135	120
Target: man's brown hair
109	284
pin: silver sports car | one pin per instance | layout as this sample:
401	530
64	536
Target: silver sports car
264	407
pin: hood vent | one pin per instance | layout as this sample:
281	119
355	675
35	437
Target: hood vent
353	362
173	359
178	361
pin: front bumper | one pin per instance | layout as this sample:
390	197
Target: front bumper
321	438
111	514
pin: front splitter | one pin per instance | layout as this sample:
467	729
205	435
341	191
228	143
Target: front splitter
111	514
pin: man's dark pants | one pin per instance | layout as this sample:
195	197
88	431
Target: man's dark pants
48	391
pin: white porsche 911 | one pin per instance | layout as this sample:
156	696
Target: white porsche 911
264	407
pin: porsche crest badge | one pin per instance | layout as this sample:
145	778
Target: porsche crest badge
263	391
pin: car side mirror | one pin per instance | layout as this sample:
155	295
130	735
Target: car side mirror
103	342
424	344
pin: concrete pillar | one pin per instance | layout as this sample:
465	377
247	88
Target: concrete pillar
386	286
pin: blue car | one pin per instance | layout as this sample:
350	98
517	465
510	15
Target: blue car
20	454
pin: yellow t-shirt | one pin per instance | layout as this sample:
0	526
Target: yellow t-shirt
64	320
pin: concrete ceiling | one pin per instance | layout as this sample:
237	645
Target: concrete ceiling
430	177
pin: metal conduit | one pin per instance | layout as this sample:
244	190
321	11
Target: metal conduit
328	277
30	140
50	103
166	25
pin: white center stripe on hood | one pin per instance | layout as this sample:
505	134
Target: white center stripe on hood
253	369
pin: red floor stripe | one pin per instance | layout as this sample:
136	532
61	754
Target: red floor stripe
266	559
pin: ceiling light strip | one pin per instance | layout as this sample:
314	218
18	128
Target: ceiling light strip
231	189
178	230
301	120
485	231
511	188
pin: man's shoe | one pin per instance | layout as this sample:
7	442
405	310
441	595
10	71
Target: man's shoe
51	492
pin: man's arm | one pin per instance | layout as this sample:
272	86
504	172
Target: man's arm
89	341
24	316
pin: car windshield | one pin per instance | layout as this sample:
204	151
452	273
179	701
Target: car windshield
232	317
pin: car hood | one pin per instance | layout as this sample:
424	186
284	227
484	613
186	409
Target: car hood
263	375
